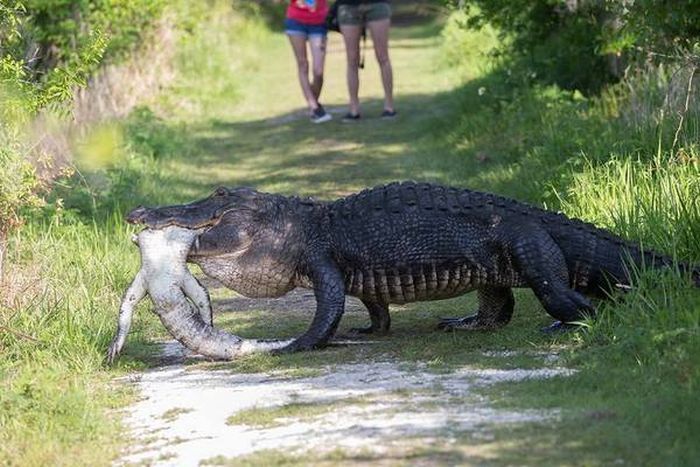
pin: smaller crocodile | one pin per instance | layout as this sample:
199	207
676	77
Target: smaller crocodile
181	302
400	243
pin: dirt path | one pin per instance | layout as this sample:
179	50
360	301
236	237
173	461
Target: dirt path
381	409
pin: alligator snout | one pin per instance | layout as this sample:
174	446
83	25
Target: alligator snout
137	215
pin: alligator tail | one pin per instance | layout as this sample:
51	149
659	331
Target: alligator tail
651	259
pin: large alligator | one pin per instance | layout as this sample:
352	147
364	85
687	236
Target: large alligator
400	243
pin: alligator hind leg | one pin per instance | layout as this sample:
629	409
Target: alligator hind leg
379	318
541	263
495	310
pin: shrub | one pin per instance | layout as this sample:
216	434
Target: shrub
587	44
48	48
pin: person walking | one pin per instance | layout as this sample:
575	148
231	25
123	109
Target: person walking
375	15
306	22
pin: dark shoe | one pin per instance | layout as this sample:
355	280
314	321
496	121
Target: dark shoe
320	115
389	114
350	118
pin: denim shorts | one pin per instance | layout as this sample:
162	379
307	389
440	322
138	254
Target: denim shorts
296	28
357	15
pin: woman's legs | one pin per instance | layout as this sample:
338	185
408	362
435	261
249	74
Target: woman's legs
298	42
317	44
380	38
351	36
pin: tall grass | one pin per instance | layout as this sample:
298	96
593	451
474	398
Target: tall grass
57	317
70	263
657	201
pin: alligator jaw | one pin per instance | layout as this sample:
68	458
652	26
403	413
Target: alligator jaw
155	218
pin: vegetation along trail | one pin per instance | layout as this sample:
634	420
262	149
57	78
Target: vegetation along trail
622	390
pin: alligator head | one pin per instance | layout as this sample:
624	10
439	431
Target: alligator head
246	239
200	214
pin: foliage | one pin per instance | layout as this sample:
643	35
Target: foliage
48	48
55	32
586	44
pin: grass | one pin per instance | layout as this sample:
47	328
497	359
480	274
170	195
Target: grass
406	455
173	414
273	416
234	116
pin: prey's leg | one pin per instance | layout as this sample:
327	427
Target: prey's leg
134	294
196	292
495	310
379	318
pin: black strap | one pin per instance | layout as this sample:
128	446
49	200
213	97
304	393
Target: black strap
364	46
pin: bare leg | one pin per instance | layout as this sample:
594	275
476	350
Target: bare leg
318	58
299	47
199	296
133	295
351	36
380	38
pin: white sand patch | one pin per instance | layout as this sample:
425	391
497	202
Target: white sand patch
396	403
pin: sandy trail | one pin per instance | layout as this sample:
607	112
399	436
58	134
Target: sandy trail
374	408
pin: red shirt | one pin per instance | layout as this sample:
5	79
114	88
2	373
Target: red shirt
308	11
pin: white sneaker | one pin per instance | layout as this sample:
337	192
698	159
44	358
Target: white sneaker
320	115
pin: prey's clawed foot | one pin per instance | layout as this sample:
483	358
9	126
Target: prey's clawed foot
112	353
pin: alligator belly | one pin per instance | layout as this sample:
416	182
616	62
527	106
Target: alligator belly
263	282
413	283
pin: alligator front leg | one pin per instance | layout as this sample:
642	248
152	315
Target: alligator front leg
495	310
134	294
379	318
329	290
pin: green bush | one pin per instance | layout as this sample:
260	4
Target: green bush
47	49
56	31
585	45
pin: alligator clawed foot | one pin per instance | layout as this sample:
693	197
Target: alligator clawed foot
366	331
560	327
450	324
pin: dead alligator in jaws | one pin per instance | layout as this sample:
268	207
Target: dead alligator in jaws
181	302
401	243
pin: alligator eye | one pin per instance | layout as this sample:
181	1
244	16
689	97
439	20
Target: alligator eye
221	191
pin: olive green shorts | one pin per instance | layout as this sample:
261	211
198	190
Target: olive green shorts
357	15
